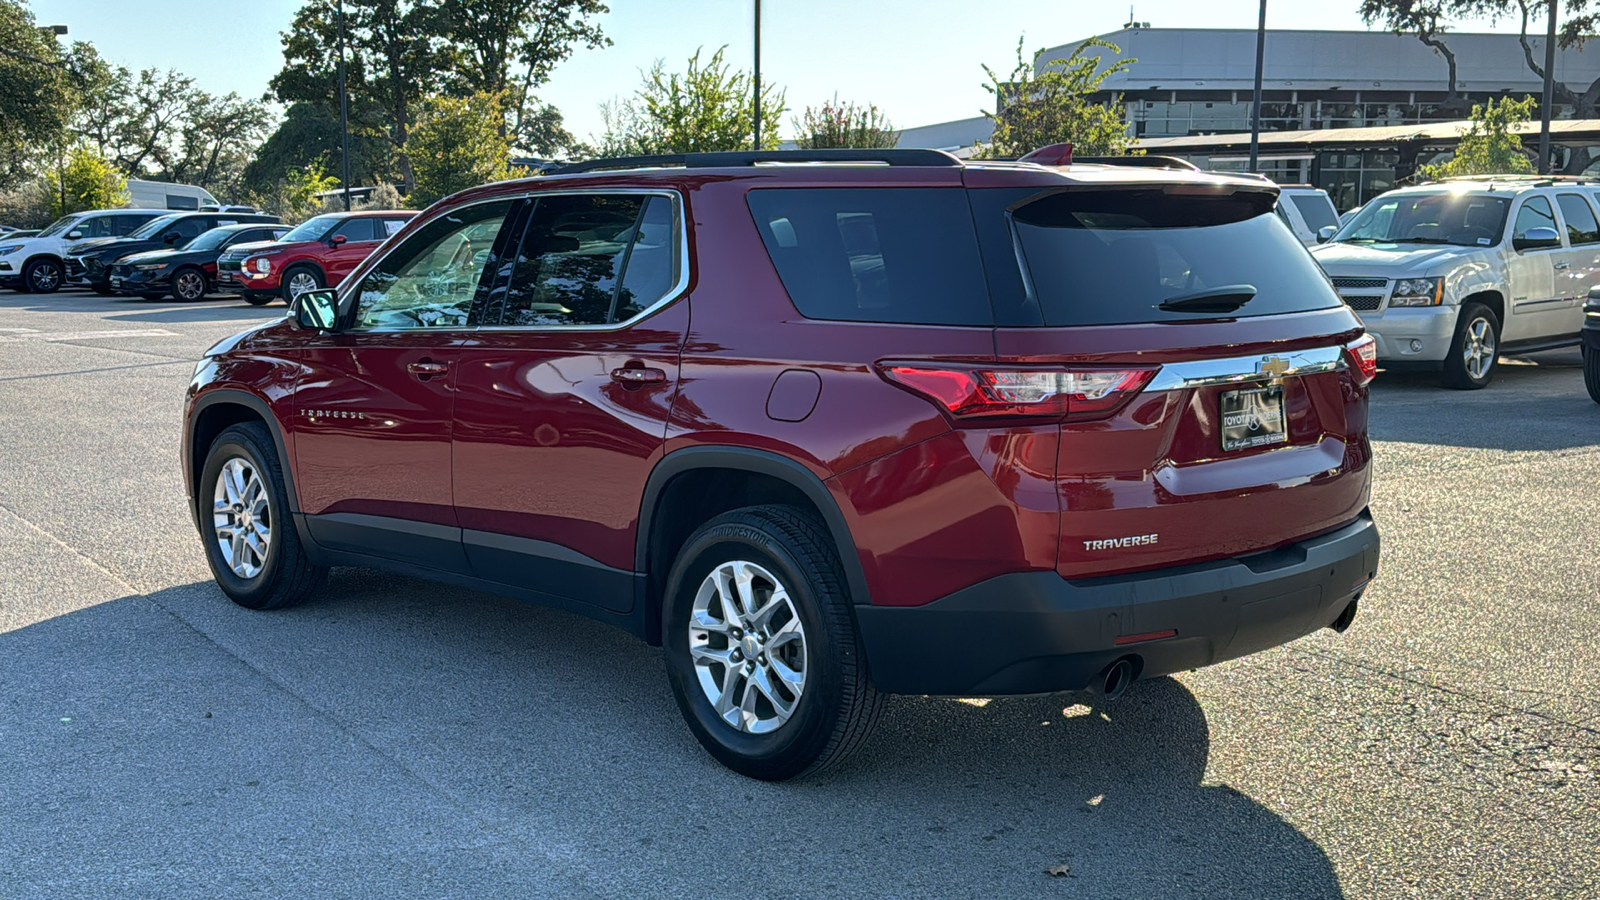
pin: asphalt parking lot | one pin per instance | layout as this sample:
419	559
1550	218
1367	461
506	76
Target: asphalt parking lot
397	738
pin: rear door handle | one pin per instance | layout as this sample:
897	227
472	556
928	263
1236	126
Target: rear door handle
427	368
1561	265
638	375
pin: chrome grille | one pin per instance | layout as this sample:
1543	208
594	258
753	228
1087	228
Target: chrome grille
1341	281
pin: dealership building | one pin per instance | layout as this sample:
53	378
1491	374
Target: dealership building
1349	111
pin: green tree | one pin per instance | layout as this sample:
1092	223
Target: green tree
86	180
309	131
40	90
510	47
1490	145
706	108
1049	104
844	125
456	144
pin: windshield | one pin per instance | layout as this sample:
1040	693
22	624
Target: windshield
210	240
152	228
58	226
1441	217
311	229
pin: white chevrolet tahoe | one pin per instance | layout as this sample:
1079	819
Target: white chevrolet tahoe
1450	276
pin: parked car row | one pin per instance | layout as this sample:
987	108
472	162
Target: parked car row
190	254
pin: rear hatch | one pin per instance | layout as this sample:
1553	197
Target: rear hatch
1214	385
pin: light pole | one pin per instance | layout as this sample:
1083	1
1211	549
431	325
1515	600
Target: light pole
61	165
1255	104
344	113
758	77
1549	92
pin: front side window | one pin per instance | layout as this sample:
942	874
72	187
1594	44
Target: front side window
186	230
1535	213
430	280
313	229
97	227
59	226
155	228
212	239
591	259
1581	225
353	230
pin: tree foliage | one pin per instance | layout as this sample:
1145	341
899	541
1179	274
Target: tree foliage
308	132
1042	105
86	180
457	144
1490	145
708	107
41	90
844	125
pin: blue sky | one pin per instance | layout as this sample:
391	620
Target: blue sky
918	61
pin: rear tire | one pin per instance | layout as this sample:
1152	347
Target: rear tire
240	488
1475	349
103	290
1591	372
256	298
787	640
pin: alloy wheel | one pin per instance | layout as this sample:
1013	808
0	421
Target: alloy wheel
191	285
242	517
300	282
1477	351
46	278
748	647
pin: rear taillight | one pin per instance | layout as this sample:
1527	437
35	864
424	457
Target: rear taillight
1363	353
1073	394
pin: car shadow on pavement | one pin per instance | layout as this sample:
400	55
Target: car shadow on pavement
139	309
1537	402
429	732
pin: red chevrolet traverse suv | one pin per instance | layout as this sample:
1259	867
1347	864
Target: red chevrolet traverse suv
319	251
823	425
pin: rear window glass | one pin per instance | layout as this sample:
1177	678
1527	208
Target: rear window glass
1114	257
902	255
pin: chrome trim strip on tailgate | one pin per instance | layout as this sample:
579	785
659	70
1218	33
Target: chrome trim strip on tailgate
1242	369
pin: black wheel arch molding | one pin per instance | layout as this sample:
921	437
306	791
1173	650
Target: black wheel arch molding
193	456
761	462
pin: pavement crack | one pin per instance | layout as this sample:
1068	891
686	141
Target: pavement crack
170	362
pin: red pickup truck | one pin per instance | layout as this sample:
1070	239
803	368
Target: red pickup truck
318	252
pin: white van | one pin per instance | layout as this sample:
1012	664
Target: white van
160	195
1306	210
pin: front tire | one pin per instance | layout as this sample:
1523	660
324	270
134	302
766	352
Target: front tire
43	276
761	645
1475	349
1591	372
299	279
249	535
103	290
188	285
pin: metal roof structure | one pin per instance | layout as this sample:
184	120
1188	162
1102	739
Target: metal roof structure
1430	132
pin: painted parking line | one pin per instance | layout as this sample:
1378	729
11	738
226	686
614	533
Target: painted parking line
11	335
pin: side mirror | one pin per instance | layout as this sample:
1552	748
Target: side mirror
1326	233
74	234
170	237
336	240
1537	239
317	309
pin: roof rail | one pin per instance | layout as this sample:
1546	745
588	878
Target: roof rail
1142	162
733	158
1518	178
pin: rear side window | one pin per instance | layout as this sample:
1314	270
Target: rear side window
901	255
356	230
1316	209
1581	225
1110	257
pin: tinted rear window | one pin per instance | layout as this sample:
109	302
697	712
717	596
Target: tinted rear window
903	255
1113	257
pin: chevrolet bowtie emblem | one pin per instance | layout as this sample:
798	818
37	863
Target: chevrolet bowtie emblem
1273	365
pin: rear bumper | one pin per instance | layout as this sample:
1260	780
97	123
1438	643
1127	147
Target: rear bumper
1035	632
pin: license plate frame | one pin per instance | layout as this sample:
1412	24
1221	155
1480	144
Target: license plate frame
1252	417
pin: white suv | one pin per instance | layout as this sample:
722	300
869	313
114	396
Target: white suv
35	265
1449	276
